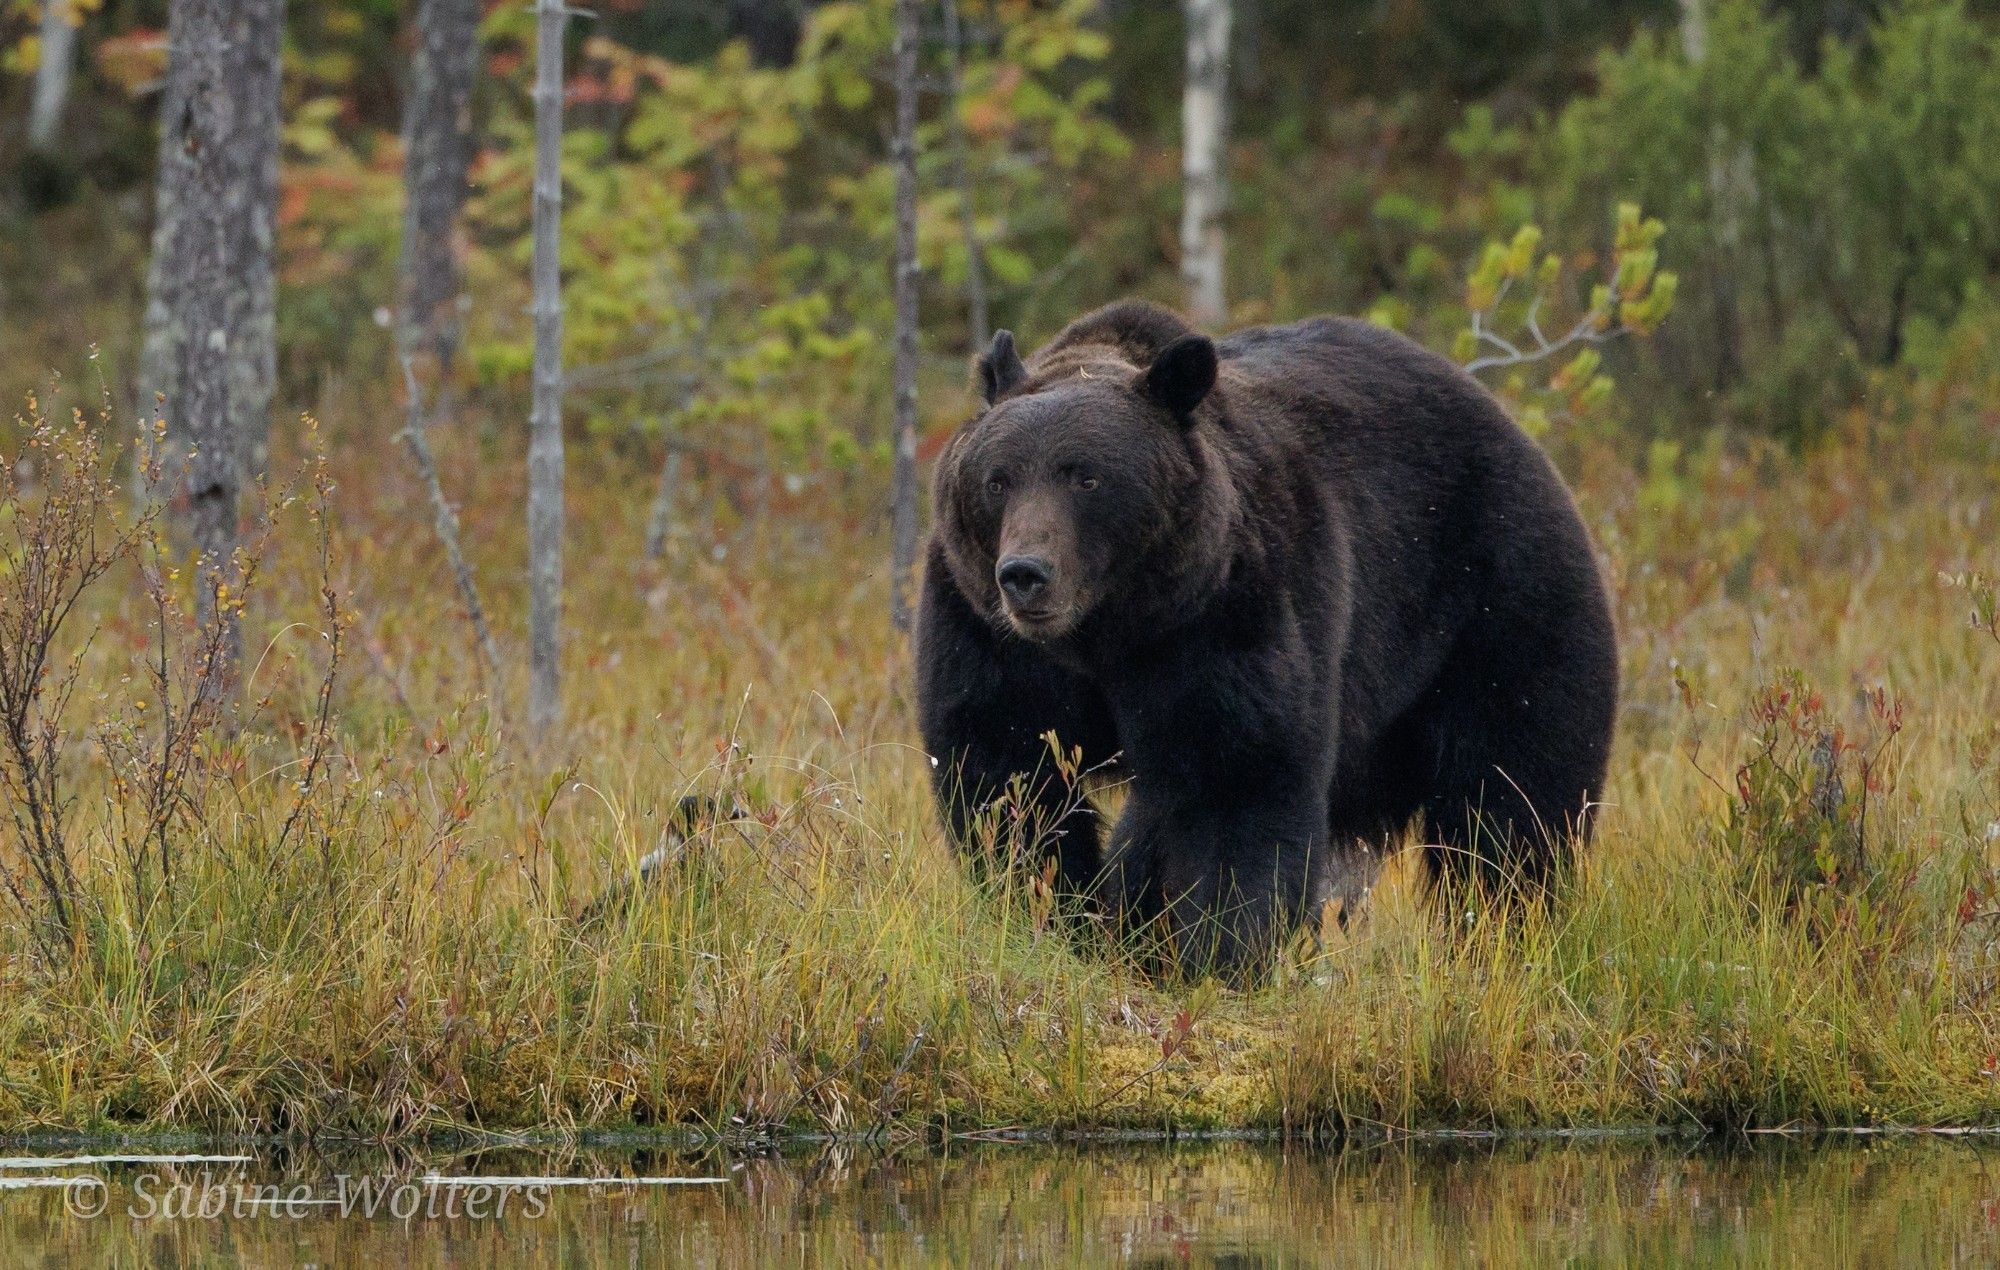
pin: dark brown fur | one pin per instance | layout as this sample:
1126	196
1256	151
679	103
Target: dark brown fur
1303	586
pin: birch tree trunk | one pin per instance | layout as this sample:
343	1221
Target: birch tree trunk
545	438
160	344
220	136
437	158
903	549
1204	144
256	40
53	73
978	321
1694	32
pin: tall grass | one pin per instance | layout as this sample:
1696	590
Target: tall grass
385	915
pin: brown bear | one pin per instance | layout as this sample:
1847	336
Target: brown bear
1297	587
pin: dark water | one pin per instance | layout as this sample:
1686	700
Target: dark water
1877	1202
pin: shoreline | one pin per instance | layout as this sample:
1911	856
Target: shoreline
688	1141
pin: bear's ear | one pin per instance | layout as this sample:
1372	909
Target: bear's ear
1181	376
1000	368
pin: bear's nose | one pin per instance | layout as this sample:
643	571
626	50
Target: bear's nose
1024	579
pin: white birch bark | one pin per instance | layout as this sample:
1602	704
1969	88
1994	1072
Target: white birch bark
256	42
1694	31
160	340
545	436
1204	146
903	496
53	72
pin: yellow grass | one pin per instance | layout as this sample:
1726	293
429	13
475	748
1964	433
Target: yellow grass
410	960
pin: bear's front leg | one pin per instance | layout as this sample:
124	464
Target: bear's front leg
986	704
1221	879
1231	746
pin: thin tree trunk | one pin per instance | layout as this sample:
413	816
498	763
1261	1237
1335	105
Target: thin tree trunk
257	37
164	332
904	481
437	160
53	73
1204	143
660	518
961	172
221	131
1694	31
1725	202
545	437
437	156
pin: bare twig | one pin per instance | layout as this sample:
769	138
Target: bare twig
446	522
1588	330
320	738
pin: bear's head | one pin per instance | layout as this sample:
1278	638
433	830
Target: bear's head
1061	499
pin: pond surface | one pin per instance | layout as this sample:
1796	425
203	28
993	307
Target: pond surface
1887	1201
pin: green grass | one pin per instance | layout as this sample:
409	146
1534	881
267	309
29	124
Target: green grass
409	960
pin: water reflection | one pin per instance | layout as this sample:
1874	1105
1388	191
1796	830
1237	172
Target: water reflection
1764	1202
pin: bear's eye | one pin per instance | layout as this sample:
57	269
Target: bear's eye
1077	477
996	484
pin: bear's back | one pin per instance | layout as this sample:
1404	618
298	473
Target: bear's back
1364	384
1445	502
